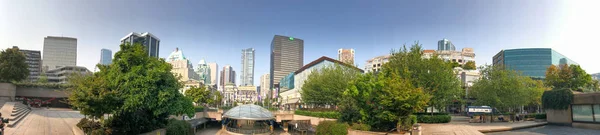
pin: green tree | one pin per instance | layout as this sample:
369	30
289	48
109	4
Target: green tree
434	75
199	95
325	86
469	66
12	65
217	98
569	76
503	88
43	78
138	90
454	64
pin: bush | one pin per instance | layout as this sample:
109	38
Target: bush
433	119
179	127
540	116
426	113
557	99
362	127
199	108
530	115
331	115
89	126
332	128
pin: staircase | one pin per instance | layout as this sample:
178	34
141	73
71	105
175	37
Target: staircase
18	113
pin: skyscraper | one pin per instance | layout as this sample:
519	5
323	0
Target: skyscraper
247	76
227	76
151	42
346	55
203	71
59	52
287	55
264	85
445	45
214	73
105	56
182	66
33	59
532	62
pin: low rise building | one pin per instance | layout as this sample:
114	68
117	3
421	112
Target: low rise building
460	57
62	74
375	64
246	94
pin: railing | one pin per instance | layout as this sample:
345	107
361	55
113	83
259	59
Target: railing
249	131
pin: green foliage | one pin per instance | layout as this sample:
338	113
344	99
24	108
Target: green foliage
43	78
503	88
42	85
199	95
433	119
331	128
12	65
557	99
454	64
406	122
570	76
179	127
138	90
426	113
362	127
330	114
217	98
87	125
540	116
325	86
199	108
469	66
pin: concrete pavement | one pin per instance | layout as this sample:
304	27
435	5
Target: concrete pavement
46	122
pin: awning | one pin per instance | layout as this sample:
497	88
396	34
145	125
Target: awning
293	101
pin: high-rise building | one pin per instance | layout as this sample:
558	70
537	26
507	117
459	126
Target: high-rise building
105	57
214	73
287	55
375	64
33	59
247	75
346	56
532	62
264	85
227	76
59	51
203	71
151	42
445	45
182	66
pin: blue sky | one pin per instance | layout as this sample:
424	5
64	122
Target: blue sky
218	30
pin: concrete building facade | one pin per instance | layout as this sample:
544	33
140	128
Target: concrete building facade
105	56
227	76
460	57
33	59
264	85
374	64
247	72
59	51
182	66
287	55
346	55
61	74
151	42
532	62
214	73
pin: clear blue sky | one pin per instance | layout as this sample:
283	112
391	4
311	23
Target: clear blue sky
218	30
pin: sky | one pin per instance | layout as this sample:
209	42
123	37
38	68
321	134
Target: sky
218	30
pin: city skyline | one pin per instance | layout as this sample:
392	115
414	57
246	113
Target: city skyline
373	31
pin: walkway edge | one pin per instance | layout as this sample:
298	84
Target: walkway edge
512	128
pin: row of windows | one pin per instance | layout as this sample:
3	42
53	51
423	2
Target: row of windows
586	113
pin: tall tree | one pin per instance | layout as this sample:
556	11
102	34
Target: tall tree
199	95
325	86
434	75
138	90
569	76
12	65
469	66
503	88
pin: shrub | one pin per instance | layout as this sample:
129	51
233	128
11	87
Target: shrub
199	108
426	113
433	119
332	128
531	115
557	99
362	127
331	114
540	116
88	126
179	127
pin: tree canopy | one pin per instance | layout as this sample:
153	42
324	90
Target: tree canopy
12	65
199	95
570	76
469	66
325	86
138	90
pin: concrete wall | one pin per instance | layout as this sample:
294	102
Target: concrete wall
40	92
7	90
595	126
587	98
559	117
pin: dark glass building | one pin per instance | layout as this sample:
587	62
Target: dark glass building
532	62
287	55
151	42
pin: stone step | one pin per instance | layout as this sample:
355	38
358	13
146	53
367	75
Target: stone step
18	111
15	120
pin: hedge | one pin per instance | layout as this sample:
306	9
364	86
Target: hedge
557	99
433	119
42	85
540	116
362	127
331	114
332	128
199	108
179	127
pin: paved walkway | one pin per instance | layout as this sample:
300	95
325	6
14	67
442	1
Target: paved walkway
474	128
549	130
46	122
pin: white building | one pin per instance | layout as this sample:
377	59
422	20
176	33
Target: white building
467	77
461	57
246	94
291	85
58	52
229	94
214	74
182	66
374	64
264	86
61	74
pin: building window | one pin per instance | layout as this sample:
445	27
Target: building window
584	113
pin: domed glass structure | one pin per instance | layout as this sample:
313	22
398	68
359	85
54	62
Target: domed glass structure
248	119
